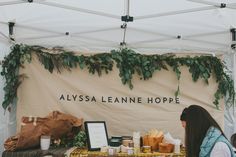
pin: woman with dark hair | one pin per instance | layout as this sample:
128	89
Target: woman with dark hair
203	136
233	141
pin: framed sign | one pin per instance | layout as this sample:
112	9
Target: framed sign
96	132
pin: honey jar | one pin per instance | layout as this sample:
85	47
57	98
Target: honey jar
126	142
146	149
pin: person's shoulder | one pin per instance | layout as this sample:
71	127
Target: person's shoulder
221	145
220	149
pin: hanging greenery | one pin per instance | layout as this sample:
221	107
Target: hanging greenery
127	61
10	71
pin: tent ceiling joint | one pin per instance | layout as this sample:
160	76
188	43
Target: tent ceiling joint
67	33
123	26
233	32
127	18
179	37
11	25
223	5
122	44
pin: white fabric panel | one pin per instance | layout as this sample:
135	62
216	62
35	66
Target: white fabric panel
41	93
230	113
7	120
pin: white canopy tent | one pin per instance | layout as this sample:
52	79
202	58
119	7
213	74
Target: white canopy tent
153	26
95	26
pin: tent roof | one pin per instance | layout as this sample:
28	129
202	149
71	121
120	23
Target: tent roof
95	26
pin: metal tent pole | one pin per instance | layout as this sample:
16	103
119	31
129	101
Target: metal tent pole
206	2
205	42
97	30
152	40
174	12
79	9
31	28
219	50
207	34
93	39
233	34
12	2
231	5
4	35
219	5
40	37
151	32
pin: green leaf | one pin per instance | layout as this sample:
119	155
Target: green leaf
127	61
177	92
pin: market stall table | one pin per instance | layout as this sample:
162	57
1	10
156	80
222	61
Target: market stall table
55	152
85	153
59	152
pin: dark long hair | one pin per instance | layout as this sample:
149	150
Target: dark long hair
183	114
233	140
198	121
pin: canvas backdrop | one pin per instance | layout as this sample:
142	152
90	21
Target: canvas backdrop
91	97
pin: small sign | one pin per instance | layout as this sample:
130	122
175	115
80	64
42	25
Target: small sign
97	134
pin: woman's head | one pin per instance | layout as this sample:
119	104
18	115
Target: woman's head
198	121
183	117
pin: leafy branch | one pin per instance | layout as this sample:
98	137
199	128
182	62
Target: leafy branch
10	71
127	61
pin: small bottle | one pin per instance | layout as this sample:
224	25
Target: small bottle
177	149
131	144
177	146
136	150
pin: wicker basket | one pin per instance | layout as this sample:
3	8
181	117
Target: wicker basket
166	148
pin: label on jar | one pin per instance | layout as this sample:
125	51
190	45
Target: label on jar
130	151
111	151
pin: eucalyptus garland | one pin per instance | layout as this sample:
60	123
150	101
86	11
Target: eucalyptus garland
127	61
10	71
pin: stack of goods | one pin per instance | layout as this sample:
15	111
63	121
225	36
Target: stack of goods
119	144
56	125
152	139
155	141
127	145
